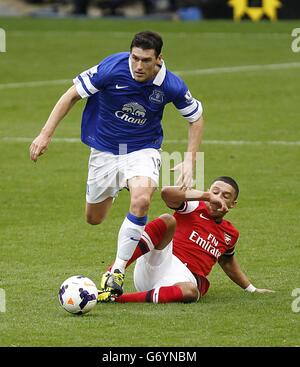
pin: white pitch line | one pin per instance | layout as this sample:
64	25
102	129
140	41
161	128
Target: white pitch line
237	69
166	141
209	71
105	34
40	83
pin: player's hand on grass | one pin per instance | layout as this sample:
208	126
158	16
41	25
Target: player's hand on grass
185	178
262	290
39	146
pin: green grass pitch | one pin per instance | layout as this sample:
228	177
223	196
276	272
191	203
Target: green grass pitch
43	235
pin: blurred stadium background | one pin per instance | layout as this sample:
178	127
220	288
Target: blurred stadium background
164	9
247	77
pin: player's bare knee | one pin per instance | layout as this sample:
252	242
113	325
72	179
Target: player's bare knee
140	205
169	220
190	293
164	192
93	220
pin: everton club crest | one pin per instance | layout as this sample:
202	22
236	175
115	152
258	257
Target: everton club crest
157	96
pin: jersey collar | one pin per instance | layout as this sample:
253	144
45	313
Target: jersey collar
160	76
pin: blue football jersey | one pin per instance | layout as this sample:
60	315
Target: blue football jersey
122	112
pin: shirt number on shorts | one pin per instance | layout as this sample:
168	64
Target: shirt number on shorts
157	164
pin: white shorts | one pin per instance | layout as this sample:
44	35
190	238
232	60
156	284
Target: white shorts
159	268
108	173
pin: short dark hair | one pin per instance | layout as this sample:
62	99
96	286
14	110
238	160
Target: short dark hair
230	181
147	40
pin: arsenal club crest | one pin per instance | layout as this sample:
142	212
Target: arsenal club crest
227	238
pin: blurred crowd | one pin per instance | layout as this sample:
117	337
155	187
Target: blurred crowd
182	9
218	8
113	6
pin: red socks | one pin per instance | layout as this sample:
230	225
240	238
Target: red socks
158	295
152	236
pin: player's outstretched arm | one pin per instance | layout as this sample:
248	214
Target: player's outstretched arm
62	107
232	269
174	196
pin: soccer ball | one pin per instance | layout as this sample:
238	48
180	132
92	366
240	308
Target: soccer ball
78	294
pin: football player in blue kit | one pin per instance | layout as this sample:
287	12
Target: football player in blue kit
121	123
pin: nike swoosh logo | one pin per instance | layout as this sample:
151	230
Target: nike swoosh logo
121	86
202	216
134	239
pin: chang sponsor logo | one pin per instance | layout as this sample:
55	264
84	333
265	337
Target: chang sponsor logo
132	112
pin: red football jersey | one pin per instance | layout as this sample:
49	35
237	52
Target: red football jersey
199	241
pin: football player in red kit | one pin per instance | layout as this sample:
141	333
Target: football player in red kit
176	253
